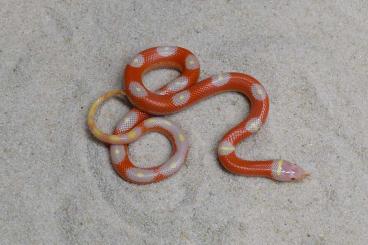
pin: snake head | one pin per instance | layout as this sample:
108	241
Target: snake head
286	171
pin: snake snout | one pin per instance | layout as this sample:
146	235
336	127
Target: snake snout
287	171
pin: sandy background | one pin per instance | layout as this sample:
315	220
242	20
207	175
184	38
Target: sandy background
56	182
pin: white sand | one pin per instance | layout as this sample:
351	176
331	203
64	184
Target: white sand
57	185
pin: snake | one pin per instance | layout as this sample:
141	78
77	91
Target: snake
149	107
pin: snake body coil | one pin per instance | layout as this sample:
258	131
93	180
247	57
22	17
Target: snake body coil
179	94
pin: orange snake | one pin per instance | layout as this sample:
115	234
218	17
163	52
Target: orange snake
177	95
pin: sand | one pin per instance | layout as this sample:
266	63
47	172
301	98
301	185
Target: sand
56	182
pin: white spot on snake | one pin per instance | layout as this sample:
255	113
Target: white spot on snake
170	168
181	98
277	168
117	153
175	162
128	121
150	122
258	92
134	133
221	79
253	125
137	61
225	148
178	84
191	62
140	175
181	137
137	89
166	51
